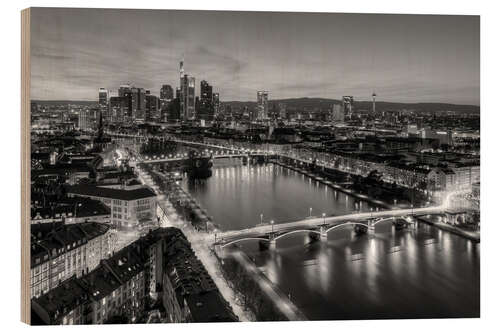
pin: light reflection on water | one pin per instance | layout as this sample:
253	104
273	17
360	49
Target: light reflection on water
392	274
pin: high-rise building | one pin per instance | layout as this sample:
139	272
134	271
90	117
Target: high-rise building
166	92
125	94
140	113
84	123
216	103
206	106
373	102
134	102
152	107
104	101
347	105
187	92
262	105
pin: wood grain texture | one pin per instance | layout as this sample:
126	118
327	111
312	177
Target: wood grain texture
25	165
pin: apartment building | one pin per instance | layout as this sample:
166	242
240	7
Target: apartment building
60	251
131	208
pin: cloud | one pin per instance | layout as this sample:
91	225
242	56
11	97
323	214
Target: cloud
76	51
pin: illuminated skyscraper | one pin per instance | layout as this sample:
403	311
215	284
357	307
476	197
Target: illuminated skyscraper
104	101
152	107
262	105
187	97
187	94
216	102
206	107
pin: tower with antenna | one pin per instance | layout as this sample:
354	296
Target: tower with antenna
373	101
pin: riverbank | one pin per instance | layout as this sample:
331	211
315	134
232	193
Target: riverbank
259	294
470	235
335	186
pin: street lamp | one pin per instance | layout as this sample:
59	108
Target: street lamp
310	211
324	218
261	217
272	226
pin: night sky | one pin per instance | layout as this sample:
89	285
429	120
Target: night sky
403	58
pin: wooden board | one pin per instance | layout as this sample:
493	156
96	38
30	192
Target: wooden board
25	165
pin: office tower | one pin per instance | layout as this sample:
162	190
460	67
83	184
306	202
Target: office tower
166	93
347	105
187	100
373	102
141	104
124	88
181	86
134	101
104	101
116	108
262	105
206	107
125	94
83	120
173	111
216	103
152	107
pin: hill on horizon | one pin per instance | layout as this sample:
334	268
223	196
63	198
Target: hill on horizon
321	103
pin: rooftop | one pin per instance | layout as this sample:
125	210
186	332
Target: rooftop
112	193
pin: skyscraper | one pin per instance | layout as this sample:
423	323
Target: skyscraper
125	94
166	92
206	107
104	101
216	103
187	100
141	104
262	105
347	105
373	102
152	107
187	94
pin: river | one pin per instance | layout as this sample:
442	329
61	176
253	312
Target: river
422	273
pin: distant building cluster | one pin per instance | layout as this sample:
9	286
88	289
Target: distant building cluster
132	104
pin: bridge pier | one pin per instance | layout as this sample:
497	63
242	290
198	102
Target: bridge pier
323	235
272	244
371	228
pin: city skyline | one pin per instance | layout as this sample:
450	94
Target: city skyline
403	58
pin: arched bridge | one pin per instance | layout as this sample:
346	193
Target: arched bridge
269	234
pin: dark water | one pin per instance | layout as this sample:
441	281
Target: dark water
236	196
422	273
